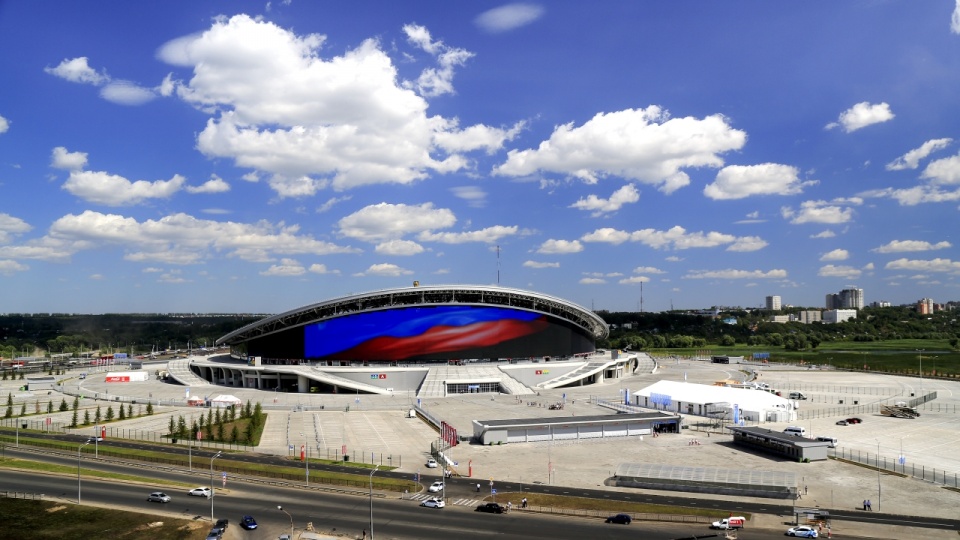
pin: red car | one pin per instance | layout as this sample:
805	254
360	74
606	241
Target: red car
854	420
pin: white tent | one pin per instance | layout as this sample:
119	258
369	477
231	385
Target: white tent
702	400
225	400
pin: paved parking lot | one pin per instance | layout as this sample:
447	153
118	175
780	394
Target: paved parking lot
379	426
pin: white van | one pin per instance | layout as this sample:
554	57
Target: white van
729	523
831	440
797	395
796	431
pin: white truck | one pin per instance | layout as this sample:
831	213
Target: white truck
732	522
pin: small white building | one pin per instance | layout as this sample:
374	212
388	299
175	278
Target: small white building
733	404
833	316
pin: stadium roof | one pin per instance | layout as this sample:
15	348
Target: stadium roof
418	296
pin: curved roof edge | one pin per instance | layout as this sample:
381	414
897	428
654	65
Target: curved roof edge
418	296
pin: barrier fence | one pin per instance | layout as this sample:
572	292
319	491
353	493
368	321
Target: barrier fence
898	466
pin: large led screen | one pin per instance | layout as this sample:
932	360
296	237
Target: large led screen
433	332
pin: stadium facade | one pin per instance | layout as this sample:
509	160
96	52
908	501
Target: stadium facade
421	340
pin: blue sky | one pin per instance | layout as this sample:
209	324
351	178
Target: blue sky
255	157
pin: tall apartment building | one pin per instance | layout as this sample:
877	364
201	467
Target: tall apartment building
773	303
845	299
925	306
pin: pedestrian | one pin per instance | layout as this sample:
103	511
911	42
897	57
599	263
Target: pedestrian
524	502
364	534
804	490
478	488
864	504
829	533
869	505
509	506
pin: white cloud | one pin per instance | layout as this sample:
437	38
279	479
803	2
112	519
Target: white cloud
944	171
284	109
318	268
64	159
384	269
331	202
213	185
11	226
955	19
475	197
126	93
634	279
4	124
676	238
286	268
916	195
487	235
435	81
508	17
8	267
175	239
592	281
861	115
475	137
736	274
625	195
935	265
830	270
647	270
114	190
836	255
381	222
901	246
830	212
645	145
560	247
741	181
76	70
536	264
911	160
399	248
824	234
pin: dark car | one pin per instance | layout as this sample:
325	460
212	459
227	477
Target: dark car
248	523
842	422
622	519
492	508
854	420
221	525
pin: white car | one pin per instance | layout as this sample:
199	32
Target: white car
433	503
802	531
432	463
200	492
435	487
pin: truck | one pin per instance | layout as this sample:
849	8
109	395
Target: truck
732	522
797	395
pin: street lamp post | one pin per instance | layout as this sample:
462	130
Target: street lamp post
371	500
878	475
289	516
78	469
921	369
215	456
306	460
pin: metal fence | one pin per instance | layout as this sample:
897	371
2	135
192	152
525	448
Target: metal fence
898	466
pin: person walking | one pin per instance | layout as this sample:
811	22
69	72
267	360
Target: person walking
478	488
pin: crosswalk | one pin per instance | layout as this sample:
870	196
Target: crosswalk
420	497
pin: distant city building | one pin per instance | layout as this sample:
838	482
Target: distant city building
881	303
925	306
807	317
845	299
779	318
773	303
832	316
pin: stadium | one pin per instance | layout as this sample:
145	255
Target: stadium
419	340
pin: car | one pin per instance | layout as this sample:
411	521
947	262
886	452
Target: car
490	508
200	492
435	487
803	531
158	496
433	503
214	535
842	422
854	420
727	523
222	525
248	523
432	463
95	439
622	519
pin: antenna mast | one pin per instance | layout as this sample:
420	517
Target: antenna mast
498	265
